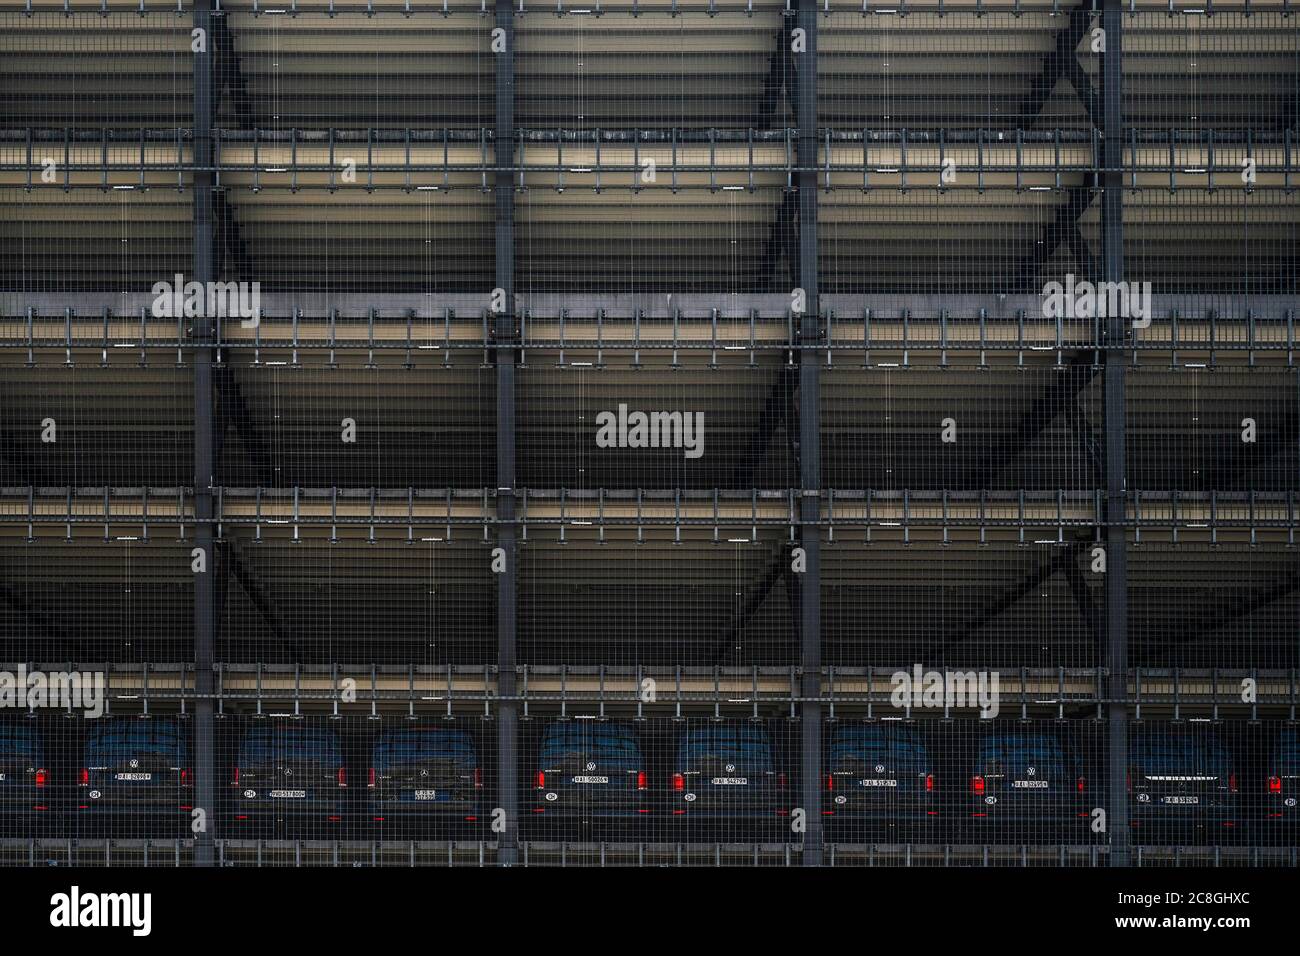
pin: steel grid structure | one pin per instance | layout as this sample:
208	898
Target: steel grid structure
844	242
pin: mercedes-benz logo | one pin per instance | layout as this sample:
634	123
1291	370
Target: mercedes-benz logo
424	773
288	772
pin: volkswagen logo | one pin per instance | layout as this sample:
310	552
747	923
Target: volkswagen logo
591	765
134	764
731	768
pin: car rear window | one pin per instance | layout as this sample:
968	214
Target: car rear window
1170	754
138	736
614	740
417	744
1286	753
18	739
900	749
749	750
317	745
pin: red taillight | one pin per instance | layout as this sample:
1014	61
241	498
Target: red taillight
41	777
679	782
929	782
1128	781
235	782
1274	784
780	781
370	782
830	781
976	785
640	779
343	776
541	780
478	776
1232	782
85	777
186	779
1080	784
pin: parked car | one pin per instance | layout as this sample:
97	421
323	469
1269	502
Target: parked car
425	777
1282	787
1026	785
136	776
26	784
725	784
1181	785
289	773
880	781
591	775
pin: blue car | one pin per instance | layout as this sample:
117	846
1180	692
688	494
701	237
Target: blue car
590	774
25	780
135	774
289	773
880	781
425	776
1182	786
725	784
1024	785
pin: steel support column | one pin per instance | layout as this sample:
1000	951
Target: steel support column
810	652
205	590
1112	254
505	330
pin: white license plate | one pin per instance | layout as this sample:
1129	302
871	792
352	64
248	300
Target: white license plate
1180	799
2	776
590	779
134	776
1028	784
730	781
426	794
288	794
879	783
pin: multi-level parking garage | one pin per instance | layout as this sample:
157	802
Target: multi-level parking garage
369	584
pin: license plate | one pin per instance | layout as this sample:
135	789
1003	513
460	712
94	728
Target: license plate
288	794
1028	784
3	777
426	794
590	779
878	783
134	776
730	781
1180	799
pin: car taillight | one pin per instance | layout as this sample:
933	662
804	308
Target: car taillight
41	777
1232	782
85	777
1274	784
541	780
679	782
1128	781
1080	784
830	781
640	779
478	776
343	776
235	782
929	782
780	781
976	784
370	782
186	779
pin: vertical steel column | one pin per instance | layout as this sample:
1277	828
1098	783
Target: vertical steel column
506	332
1112	227
205	591
810	655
